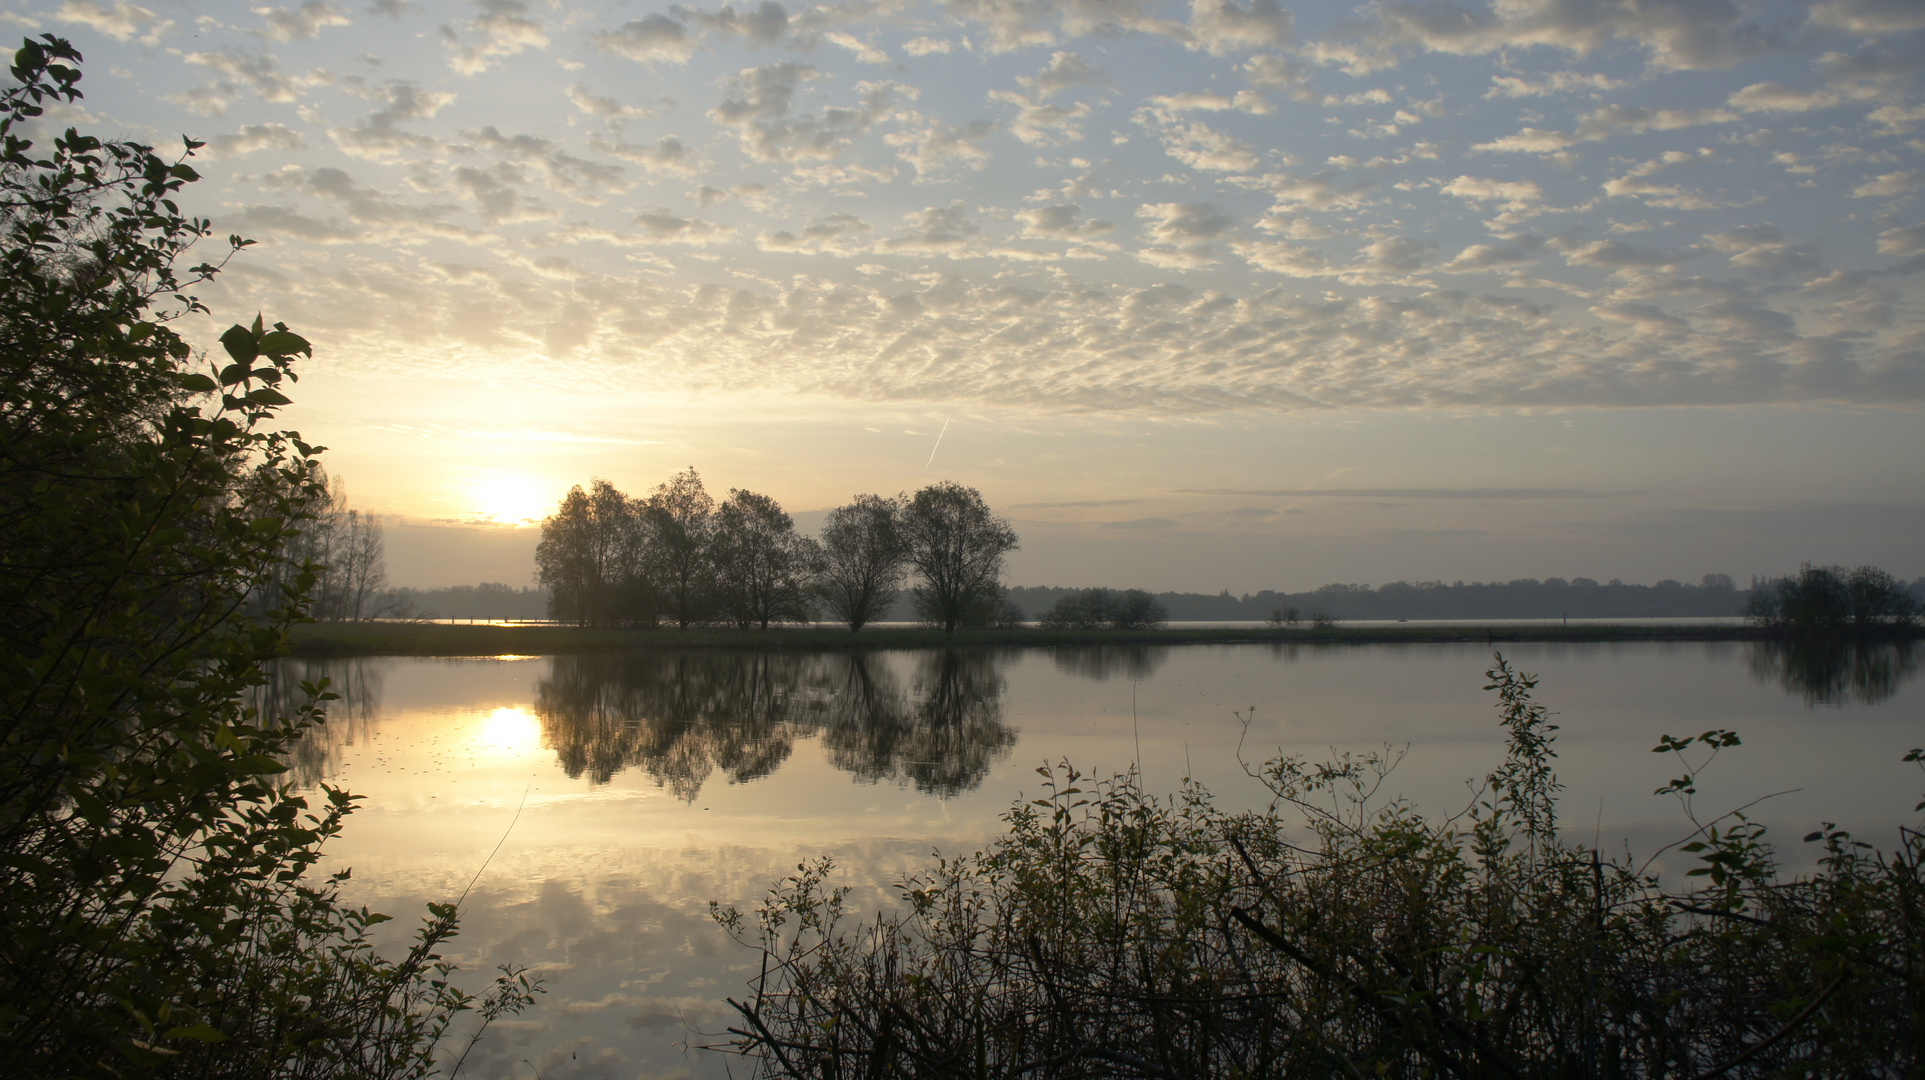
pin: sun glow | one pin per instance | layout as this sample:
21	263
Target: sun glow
510	499
508	733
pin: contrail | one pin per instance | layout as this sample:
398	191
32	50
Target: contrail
932	450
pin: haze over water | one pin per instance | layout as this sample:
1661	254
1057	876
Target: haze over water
656	783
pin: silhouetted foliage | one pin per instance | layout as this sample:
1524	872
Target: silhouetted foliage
1339	933
863	559
763	570
348	552
678	520
1831	601
593	560
956	546
1094	609
158	916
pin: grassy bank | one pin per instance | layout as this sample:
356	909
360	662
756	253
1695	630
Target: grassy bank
433	639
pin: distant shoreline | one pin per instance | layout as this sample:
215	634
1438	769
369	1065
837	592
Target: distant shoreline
321	640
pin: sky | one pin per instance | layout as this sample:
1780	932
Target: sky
1207	295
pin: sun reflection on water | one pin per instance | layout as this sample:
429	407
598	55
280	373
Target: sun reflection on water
508	732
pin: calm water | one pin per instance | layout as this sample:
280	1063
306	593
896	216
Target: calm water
650	785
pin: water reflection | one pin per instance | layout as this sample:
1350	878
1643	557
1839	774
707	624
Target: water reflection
679	717
942	735
351	717
682	717
1835	672
1104	662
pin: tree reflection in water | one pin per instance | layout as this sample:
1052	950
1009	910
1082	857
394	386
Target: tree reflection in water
942	735
680	717
1835	672
318	756
1104	662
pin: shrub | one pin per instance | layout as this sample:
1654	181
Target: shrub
158	915
1332	933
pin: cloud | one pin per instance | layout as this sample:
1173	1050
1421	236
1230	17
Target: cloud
364	205
659	226
648	40
1617	255
121	22
1201	146
931	146
1639	183
1015	24
765	24
1763	250
1480	257
1181	234
1141	523
502	29
286	221
1673	36
1221	26
927	46
564	172
1040	123
1902	240
252	137
1509	194
934	230
1890	185
376	135
1059	221
1556	82
1064	71
240	74
1606	122
758	108
301	23
1318	191
605	108
667	155
837	234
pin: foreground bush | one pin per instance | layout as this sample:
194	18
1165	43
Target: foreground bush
1113	934
158	911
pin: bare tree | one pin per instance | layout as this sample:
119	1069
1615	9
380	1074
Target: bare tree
348	555
956	546
679	518
762	568
863	560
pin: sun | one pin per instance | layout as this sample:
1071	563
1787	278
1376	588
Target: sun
510	499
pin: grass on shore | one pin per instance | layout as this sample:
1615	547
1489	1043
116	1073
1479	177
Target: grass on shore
442	639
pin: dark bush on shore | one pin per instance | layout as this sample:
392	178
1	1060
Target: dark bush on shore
1095	609
1336	933
1831	601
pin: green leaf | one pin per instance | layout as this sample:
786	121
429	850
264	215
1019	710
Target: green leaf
240	344
195	383
283	343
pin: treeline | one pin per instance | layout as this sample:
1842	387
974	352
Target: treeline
678	557
1526	598
488	600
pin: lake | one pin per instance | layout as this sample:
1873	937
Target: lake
627	792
